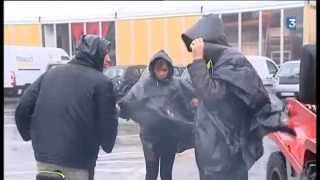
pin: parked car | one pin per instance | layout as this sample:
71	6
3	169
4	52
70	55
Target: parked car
265	67
287	80
116	73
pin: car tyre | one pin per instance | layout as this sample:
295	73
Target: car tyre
276	167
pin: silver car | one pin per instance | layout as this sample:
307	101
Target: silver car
265	67
287	79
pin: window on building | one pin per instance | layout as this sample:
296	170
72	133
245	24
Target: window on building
63	37
48	35
231	28
293	33
93	28
250	33
271	22
108	32
76	32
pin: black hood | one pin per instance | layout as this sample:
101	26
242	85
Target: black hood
161	55
91	51
210	28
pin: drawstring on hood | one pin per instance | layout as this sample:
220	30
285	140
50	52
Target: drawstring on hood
91	51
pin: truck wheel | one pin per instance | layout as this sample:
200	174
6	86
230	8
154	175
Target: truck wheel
307	81
276	167
309	172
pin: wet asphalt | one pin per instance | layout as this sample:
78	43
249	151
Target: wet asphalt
126	162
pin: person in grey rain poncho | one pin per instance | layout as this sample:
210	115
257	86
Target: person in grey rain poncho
235	110
160	104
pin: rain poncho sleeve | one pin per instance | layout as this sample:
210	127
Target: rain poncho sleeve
24	111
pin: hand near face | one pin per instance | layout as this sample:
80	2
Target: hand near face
197	47
195	102
107	61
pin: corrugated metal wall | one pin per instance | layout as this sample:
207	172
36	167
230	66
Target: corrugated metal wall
138	40
309	33
22	34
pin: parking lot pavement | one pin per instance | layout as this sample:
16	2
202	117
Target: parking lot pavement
126	162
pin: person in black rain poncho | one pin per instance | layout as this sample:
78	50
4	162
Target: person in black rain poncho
161	106
69	112
235	110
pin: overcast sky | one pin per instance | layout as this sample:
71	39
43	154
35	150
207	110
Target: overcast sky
15	10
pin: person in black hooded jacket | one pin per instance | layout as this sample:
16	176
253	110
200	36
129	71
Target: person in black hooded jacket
69	111
235	110
157	102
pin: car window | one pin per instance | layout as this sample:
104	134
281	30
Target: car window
108	73
119	72
114	72
272	68
64	58
289	69
260	66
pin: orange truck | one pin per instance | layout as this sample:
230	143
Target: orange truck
296	158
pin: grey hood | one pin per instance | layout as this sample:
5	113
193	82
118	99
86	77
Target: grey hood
161	55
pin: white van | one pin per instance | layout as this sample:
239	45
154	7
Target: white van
265	67
24	64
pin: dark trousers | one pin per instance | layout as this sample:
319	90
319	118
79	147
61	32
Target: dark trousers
155	154
91	174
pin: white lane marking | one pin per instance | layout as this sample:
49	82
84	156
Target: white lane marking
14	173
10	125
117	161
126	136
119	153
20	164
18	143
118	170
8	118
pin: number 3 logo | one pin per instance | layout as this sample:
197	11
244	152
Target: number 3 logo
291	22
